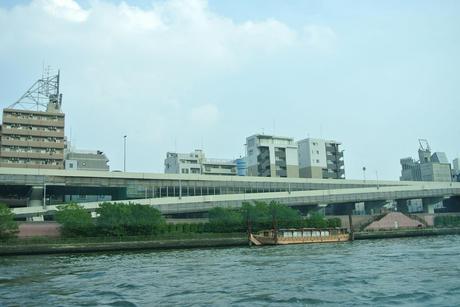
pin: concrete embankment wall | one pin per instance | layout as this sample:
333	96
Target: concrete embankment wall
401	233
60	248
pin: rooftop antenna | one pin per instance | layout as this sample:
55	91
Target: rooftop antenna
42	95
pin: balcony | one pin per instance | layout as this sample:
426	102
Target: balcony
38	144
42	133
33	122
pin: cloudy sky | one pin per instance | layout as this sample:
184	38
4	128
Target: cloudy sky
180	75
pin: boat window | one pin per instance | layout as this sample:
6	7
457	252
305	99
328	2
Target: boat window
325	233
307	234
266	233
288	234
297	234
315	233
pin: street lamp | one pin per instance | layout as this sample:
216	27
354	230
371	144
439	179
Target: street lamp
124	153
364	173
377	177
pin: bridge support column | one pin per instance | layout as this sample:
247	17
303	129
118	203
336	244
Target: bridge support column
430	203
401	206
374	207
36	200
320	208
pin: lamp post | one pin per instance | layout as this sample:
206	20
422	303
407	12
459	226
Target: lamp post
377	177
124	153
364	173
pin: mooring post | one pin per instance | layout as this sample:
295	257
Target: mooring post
350	221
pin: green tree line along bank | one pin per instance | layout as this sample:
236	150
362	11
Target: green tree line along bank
129	219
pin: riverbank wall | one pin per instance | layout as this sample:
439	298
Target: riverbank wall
68	248
401	233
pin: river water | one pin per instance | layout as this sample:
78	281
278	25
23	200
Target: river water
421	271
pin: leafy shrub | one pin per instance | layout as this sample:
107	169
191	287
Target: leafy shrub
8	226
75	220
121	219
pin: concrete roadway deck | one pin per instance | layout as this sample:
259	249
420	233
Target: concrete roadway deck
173	205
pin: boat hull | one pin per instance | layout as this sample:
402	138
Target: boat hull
262	240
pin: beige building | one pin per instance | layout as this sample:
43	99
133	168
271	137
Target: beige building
197	163
271	156
320	158
34	138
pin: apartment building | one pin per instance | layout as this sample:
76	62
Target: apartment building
32	131
197	163
319	158
85	160
271	156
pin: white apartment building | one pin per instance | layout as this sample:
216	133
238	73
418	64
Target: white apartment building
271	156
197	163
319	158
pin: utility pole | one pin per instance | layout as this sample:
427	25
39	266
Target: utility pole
124	153
377	177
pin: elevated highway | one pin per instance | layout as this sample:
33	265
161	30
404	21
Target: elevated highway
340	197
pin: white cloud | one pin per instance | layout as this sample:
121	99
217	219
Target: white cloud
136	70
66	9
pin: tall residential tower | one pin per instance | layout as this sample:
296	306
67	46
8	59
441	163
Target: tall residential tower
32	132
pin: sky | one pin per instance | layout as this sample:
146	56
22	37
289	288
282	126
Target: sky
181	75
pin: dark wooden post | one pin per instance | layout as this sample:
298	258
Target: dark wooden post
350	221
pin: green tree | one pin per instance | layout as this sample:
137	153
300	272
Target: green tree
317	220
225	220
75	220
284	216
8	226
121	219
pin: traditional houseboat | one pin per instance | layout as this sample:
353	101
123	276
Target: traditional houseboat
299	236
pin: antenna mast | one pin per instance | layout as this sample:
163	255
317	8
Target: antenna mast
43	95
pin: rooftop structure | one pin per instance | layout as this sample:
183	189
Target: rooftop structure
430	167
86	160
320	158
32	133
272	156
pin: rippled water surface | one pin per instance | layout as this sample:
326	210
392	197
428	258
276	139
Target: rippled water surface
412	271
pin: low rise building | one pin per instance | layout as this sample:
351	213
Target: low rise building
456	169
86	160
197	163
429	167
320	158
272	156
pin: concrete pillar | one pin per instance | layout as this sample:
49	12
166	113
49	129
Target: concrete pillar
430	203
36	200
320	208
36	196
401	205
374	207
428	208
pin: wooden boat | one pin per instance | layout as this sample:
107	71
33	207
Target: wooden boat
299	236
